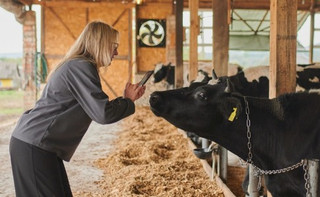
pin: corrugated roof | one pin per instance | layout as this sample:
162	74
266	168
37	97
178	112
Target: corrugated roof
250	29
256	22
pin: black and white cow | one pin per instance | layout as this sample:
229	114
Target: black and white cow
284	130
166	73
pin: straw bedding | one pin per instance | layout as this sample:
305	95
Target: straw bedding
152	158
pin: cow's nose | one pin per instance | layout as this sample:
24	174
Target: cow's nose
154	99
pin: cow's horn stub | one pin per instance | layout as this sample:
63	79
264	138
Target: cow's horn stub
214	75
228	88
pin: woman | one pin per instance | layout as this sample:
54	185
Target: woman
51	131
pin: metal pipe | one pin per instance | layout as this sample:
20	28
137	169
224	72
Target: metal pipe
223	163
253	183
313	166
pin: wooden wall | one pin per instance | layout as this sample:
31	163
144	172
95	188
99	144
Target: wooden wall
63	24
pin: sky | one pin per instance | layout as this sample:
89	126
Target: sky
11	32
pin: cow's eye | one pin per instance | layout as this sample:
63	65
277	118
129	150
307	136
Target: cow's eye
202	96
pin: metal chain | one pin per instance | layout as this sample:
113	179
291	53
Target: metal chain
279	171
248	124
306	178
259	172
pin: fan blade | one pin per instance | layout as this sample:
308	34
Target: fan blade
156	28
150	40
157	35
144	35
148	27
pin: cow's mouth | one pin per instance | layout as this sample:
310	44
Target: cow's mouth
155	111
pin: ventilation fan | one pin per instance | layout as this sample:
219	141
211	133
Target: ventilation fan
151	33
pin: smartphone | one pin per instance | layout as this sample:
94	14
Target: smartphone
145	78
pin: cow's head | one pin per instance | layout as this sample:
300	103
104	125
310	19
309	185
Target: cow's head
199	109
161	72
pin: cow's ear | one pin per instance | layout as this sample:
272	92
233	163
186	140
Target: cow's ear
231	109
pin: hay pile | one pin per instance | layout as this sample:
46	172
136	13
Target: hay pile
151	158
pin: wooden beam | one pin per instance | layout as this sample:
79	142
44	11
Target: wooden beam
16	8
220	37
119	17
283	47
252	4
84	4
194	32
179	45
26	2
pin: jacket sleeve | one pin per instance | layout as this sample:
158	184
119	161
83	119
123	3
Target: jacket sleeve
83	82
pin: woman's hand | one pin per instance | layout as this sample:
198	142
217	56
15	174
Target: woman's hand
133	91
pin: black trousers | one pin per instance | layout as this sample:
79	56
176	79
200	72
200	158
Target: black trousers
36	172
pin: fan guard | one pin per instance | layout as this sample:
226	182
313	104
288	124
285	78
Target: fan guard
151	33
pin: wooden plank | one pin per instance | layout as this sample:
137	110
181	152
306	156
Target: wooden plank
193	47
208	169
283	39
220	37
179	45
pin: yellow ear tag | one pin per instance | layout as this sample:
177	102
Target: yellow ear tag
233	114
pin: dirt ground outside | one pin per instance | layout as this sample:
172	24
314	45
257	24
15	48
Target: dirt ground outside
141	156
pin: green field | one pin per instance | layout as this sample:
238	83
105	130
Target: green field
11	102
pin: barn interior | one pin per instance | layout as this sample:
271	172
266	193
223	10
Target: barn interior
187	34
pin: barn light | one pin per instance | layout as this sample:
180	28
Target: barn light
139	2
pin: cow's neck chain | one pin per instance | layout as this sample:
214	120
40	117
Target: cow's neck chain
259	172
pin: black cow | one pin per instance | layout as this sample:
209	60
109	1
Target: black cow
283	130
254	81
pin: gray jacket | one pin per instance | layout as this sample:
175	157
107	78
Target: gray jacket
71	99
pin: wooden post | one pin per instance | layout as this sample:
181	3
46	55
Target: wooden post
220	59
220	37
179	45
311	47
130	46
253	183
283	47
194	31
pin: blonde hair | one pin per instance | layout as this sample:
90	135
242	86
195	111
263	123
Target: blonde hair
95	43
